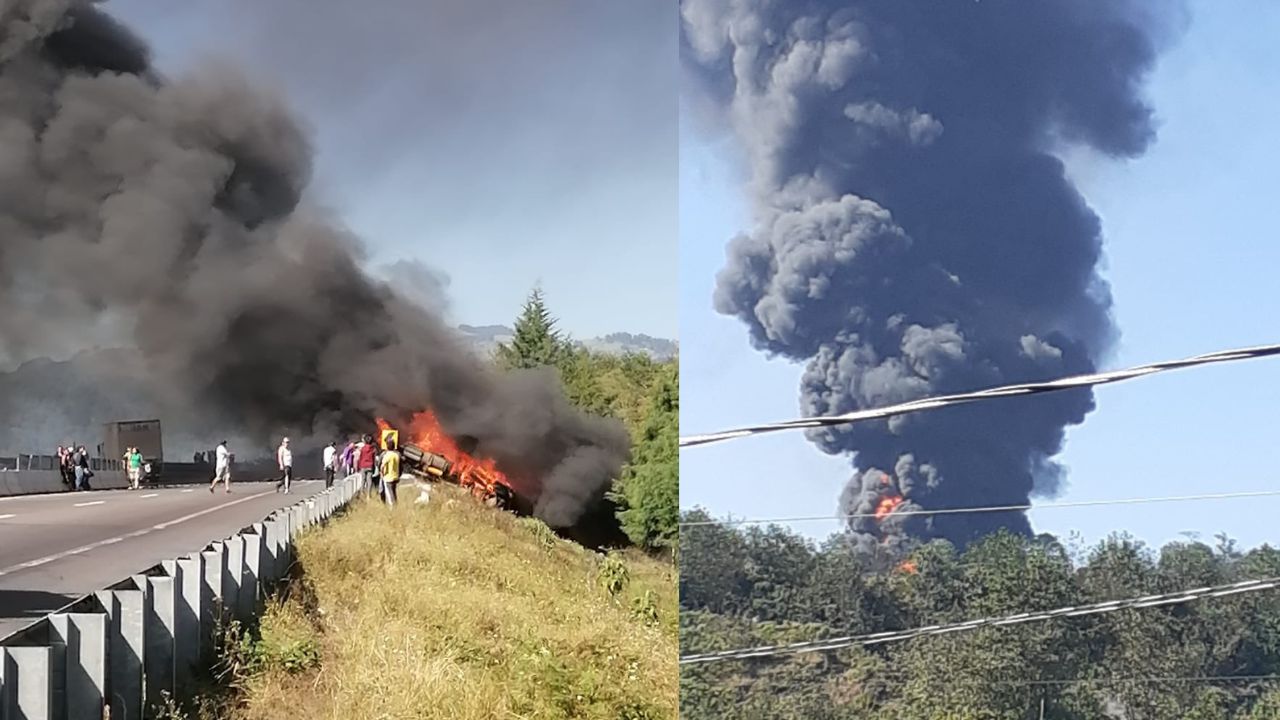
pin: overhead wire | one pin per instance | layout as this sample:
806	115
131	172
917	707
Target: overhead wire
988	509
1017	390
836	643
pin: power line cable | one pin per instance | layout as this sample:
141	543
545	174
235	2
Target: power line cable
901	635
990	508
1128	680
1067	383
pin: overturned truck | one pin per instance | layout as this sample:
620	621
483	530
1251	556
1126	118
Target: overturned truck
427	466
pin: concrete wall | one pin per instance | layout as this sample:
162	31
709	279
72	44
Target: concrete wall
124	646
30	482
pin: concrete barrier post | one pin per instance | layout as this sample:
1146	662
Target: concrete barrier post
231	579
80	642
276	563
251	572
124	652
189	605
27	683
159	633
212	597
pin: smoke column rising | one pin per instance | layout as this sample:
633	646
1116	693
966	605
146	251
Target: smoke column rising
170	209
914	232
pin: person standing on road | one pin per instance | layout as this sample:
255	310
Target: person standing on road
82	469
284	458
349	458
222	467
390	467
330	464
135	468
365	455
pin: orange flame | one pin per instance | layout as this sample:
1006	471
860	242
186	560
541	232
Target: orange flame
480	475
887	504
909	567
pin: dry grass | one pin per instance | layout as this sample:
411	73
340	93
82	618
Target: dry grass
456	611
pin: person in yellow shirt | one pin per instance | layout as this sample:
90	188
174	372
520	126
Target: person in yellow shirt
390	472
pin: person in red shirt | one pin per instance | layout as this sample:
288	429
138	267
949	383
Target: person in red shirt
366	454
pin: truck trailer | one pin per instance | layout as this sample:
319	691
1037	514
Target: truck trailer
142	434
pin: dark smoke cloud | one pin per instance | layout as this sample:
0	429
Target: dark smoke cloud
915	233
174	208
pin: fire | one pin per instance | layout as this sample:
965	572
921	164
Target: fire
909	567
479	475
887	504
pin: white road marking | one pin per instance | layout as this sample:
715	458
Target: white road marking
151	495
126	536
87	504
6	517
189	490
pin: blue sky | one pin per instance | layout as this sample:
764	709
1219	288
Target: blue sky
1192	258
506	149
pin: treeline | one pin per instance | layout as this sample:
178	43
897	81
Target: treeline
1204	660
641	392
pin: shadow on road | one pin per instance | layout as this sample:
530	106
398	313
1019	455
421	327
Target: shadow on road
30	603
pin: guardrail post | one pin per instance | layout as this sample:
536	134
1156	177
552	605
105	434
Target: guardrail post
273	561
189	605
159	633
124	652
251	573
234	575
212	596
27	682
81	641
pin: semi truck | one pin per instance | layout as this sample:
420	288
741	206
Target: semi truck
142	434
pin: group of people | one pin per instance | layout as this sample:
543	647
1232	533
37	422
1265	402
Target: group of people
379	470
73	464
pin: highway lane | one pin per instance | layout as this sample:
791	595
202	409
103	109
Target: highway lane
56	548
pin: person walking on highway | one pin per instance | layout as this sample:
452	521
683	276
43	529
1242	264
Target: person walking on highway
330	464
365	459
284	458
222	467
390	467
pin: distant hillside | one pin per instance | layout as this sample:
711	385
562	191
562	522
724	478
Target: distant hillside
485	340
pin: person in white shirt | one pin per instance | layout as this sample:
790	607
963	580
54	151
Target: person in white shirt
330	464
284	457
222	467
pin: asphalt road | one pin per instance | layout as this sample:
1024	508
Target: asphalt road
57	548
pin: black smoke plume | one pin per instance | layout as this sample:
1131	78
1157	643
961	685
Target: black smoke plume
168	211
915	233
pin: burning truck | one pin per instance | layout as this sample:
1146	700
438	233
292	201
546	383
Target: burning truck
431	455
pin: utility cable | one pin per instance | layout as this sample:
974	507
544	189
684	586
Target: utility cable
1067	383
901	635
989	509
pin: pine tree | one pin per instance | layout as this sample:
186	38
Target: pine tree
537	341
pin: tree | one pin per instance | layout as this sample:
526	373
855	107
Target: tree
537	342
648	495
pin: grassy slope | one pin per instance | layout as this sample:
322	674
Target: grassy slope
453	610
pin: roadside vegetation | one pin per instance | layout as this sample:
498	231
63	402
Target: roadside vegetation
452	610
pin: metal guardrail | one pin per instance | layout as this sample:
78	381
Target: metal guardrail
119	650
50	462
